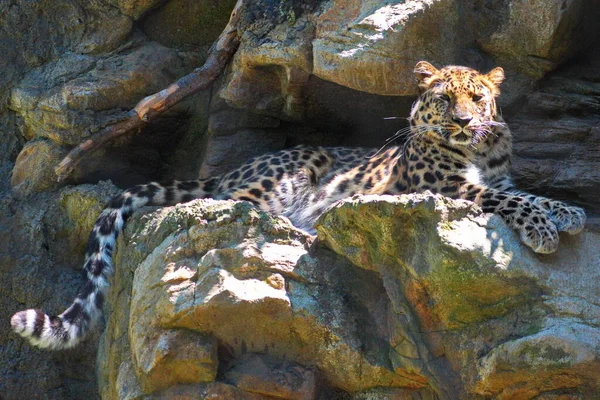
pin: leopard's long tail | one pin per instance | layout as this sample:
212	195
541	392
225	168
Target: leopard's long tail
69	328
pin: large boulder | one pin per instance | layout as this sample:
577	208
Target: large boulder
510	323
426	296
374	47
225	279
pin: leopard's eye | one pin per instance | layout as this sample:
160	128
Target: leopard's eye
445	97
476	97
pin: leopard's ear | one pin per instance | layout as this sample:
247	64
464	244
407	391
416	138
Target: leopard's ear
495	77
426	75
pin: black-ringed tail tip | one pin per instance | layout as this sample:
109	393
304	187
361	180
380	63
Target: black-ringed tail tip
43	331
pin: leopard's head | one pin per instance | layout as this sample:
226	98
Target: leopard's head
457	104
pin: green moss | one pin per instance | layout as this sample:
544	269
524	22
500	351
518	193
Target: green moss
81	210
464	293
546	355
286	11
81	207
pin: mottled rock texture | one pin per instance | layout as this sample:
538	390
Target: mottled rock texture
323	72
510	323
557	134
421	296
245	283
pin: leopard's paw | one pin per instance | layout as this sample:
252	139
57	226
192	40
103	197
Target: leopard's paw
566	218
540	234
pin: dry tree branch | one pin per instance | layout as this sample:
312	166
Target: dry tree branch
148	108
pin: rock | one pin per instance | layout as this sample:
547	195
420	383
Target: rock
224	153
557	141
72	87
563	355
38	32
30	173
446	303
104	30
474	289
533	37
69	228
374	47
135	8
394	394
187	24
67	26
58	101
260	374
229	121
228	271
63	102
172	357
270	72
213	390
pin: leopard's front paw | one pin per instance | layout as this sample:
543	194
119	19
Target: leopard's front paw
566	218
539	233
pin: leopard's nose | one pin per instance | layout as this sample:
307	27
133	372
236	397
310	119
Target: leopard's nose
462	120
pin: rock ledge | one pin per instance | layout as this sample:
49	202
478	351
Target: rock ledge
425	298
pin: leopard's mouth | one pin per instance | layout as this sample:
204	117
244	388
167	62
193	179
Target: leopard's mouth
467	136
461	137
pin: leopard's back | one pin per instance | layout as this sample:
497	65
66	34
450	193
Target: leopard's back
300	183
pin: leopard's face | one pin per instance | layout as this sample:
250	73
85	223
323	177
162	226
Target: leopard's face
457	104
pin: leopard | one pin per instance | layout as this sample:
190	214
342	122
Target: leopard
457	145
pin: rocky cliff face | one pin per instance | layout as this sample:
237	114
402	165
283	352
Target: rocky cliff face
422	297
316	72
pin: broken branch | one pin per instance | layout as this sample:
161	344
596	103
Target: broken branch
148	108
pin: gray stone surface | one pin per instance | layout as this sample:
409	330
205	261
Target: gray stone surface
557	137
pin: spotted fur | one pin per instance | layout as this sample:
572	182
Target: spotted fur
458	146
